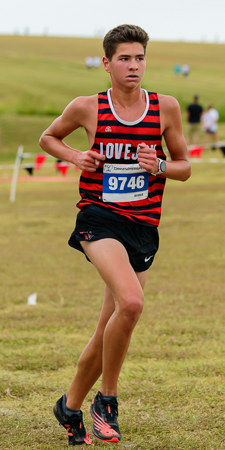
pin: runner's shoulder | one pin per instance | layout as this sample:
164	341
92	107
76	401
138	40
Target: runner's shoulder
168	103
83	104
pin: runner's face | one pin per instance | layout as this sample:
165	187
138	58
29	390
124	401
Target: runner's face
127	66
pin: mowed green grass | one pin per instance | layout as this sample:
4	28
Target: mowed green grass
51	71
40	75
171	388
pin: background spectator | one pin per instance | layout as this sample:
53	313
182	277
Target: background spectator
177	69
209	122
89	62
193	113
185	70
97	61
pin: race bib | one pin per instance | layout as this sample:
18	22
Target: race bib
124	183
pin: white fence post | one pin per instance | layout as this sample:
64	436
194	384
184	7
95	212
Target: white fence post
15	173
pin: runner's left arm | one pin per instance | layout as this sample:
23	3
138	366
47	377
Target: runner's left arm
179	167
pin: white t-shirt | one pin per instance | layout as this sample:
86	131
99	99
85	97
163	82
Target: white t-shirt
97	61
209	120
89	61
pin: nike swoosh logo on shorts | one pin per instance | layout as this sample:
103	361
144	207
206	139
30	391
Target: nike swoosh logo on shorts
147	258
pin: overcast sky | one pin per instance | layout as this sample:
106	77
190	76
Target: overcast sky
169	20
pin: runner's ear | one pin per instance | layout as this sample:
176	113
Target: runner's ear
106	64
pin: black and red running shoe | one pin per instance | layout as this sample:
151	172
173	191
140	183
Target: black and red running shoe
104	411
77	434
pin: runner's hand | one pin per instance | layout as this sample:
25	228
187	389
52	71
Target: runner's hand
89	160
147	158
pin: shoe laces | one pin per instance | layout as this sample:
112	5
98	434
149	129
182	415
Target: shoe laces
110	409
76	422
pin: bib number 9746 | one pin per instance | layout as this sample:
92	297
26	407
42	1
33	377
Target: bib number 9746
124	183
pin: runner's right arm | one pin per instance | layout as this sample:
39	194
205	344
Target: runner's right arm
77	114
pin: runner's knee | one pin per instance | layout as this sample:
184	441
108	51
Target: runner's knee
131	307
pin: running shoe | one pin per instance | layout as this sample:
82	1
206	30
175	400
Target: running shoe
104	412
77	435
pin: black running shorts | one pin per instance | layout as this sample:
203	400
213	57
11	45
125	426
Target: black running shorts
94	223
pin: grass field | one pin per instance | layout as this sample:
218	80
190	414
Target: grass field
40	75
171	388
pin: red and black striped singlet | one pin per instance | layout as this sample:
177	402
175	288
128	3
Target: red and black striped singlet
118	141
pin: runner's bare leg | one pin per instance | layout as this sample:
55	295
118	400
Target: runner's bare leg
89	367
96	356
111	260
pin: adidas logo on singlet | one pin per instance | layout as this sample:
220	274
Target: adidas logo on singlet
108	129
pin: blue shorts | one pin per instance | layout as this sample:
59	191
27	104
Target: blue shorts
140	241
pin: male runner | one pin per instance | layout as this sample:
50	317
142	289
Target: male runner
121	187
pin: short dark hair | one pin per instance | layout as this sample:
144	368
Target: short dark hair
123	34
